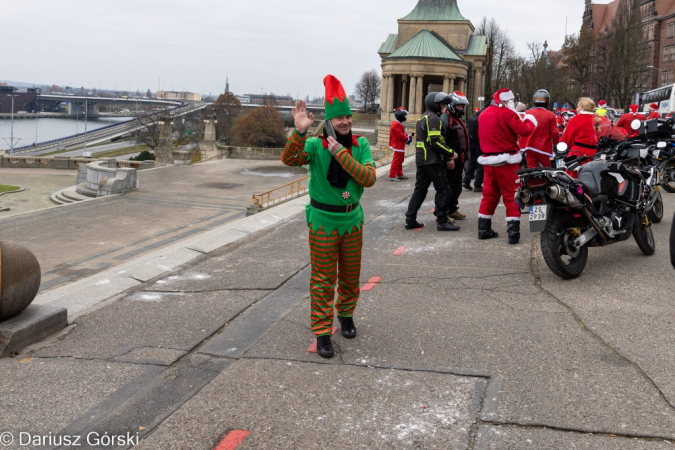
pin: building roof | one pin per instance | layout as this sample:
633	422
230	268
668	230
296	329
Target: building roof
435	10
388	45
477	46
425	44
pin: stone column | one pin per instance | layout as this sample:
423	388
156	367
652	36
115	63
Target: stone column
383	93
446	85
163	154
390	93
460	85
404	90
412	96
419	96
452	85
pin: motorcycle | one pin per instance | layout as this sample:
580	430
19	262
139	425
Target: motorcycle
606	204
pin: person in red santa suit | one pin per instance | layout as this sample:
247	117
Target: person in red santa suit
653	112
398	139
626	119
499	127
539	145
560	119
580	134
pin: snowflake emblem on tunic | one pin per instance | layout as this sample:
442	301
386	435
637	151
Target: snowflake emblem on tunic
346	195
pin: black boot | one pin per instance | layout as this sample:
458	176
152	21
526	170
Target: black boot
442	224
411	224
324	346
485	230
347	327
513	230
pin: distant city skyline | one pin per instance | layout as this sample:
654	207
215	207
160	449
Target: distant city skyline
266	46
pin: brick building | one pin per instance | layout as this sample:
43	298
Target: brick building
658	17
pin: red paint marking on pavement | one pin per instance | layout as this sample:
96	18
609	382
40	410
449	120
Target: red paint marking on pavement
375	279
419	229
433	210
368	287
399	251
312	348
232	440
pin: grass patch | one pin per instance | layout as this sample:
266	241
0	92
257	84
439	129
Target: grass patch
7	188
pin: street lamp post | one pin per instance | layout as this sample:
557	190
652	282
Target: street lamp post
11	137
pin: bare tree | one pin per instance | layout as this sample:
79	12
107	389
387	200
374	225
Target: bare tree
368	89
500	53
269	100
627	70
226	109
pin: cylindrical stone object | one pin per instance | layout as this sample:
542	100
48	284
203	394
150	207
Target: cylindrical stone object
19	279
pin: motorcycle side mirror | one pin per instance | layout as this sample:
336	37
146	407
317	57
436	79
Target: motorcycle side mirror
635	124
661	144
561	147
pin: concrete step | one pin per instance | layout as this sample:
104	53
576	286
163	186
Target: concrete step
68	195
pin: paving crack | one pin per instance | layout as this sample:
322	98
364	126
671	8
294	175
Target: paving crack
534	267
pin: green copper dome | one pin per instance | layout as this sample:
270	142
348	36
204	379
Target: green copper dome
435	10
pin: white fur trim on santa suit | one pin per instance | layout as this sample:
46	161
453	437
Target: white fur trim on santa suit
397	150
500	159
513	219
483	216
532	149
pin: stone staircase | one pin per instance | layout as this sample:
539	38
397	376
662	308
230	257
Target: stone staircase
69	195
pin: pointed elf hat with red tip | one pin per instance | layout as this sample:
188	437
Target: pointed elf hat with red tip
336	103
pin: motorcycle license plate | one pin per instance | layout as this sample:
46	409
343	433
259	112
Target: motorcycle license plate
538	217
560	163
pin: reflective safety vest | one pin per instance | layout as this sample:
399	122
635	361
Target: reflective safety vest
430	145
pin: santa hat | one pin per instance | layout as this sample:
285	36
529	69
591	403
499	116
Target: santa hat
563	110
401	109
503	96
653	107
336	102
477	109
602	103
633	108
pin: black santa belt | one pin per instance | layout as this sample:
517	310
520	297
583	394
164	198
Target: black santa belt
333	208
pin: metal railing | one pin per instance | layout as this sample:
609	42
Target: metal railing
299	187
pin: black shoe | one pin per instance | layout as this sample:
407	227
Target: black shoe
324	347
467	186
412	224
347	327
485	230
402	177
513	230
446	226
478	188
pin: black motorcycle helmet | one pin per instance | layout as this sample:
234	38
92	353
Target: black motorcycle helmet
434	101
401	114
541	98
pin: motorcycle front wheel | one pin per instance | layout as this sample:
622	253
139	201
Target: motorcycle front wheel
656	213
560	256
669	177
644	237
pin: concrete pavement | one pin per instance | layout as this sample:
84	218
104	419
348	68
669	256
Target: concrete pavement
462	344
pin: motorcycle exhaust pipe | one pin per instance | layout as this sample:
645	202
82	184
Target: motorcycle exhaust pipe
524	195
555	192
559	194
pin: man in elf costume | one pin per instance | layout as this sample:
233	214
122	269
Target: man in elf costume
398	139
499	128
339	170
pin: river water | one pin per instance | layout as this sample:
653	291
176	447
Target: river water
48	129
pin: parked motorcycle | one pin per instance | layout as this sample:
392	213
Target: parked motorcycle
606	204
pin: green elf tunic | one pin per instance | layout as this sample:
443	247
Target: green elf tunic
359	165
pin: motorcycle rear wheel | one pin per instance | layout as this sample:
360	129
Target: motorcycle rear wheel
644	237
555	248
669	177
656	213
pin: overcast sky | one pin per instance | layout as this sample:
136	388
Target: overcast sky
285	47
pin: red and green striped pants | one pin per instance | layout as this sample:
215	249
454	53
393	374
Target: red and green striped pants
334	258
